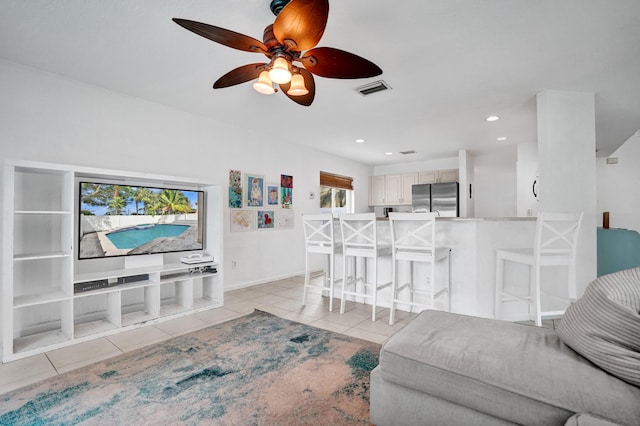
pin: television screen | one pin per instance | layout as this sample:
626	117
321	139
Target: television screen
122	220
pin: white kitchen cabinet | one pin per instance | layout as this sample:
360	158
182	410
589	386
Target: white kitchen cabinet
438	176
376	190
391	190
450	175
428	177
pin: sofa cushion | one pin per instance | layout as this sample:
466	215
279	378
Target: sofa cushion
604	324
520	373
587	420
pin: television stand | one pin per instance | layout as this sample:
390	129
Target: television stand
40	307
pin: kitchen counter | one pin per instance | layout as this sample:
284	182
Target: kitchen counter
476	219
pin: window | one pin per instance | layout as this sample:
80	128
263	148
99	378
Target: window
336	194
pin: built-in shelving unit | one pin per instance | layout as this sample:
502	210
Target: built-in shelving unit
38	307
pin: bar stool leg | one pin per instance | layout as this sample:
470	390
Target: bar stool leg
394	291
375	290
497	309
306	278
535	277
332	271
345	281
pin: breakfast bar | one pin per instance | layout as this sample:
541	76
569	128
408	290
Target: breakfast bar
473	243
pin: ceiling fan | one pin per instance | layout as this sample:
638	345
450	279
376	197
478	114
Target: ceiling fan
289	41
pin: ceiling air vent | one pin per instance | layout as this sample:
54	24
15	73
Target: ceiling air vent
407	152
376	86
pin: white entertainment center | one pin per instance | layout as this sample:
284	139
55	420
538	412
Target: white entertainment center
39	308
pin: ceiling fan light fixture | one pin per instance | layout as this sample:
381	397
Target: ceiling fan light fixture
297	86
264	84
279	72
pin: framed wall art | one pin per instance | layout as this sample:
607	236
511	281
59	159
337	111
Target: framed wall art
235	189
254	190
242	220
266	219
284	219
286	191
273	191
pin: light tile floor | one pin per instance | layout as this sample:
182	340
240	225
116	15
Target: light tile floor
282	298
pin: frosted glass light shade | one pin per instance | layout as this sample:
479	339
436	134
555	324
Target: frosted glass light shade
297	86
280	73
264	85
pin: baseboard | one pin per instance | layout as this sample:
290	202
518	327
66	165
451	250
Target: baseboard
246	284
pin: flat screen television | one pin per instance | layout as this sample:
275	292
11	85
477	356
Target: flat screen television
127	220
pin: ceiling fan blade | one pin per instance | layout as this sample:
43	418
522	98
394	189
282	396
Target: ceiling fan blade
239	75
222	36
309	83
302	21
335	63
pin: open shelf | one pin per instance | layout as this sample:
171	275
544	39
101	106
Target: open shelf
169	308
40	267
137	317
92	327
38	326
140	304
40	256
39	299
39	340
96	314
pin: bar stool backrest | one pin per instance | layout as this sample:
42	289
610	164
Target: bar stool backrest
359	236
413	234
319	233
557	237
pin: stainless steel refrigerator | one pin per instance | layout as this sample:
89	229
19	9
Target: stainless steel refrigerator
441	198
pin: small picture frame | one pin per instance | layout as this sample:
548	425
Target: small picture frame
284	219
242	220
273	191
266	219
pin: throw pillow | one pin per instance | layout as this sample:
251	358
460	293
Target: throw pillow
604	324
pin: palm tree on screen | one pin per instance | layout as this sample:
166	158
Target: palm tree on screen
173	201
144	196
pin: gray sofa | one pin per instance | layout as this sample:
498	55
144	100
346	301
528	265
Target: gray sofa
449	369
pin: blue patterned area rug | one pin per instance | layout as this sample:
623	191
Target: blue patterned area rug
259	369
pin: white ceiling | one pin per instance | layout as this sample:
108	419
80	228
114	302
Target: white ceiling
450	64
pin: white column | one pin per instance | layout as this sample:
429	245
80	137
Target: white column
465	178
526	174
567	167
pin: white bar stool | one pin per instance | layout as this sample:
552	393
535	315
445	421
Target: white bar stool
319	238
413	240
555	244
360	243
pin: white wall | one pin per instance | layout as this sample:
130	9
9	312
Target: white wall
527	173
495	183
49	118
617	186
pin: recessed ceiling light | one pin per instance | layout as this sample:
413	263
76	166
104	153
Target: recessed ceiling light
359	140
492	118
388	153
501	138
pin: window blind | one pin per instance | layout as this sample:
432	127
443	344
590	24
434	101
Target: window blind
336	181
